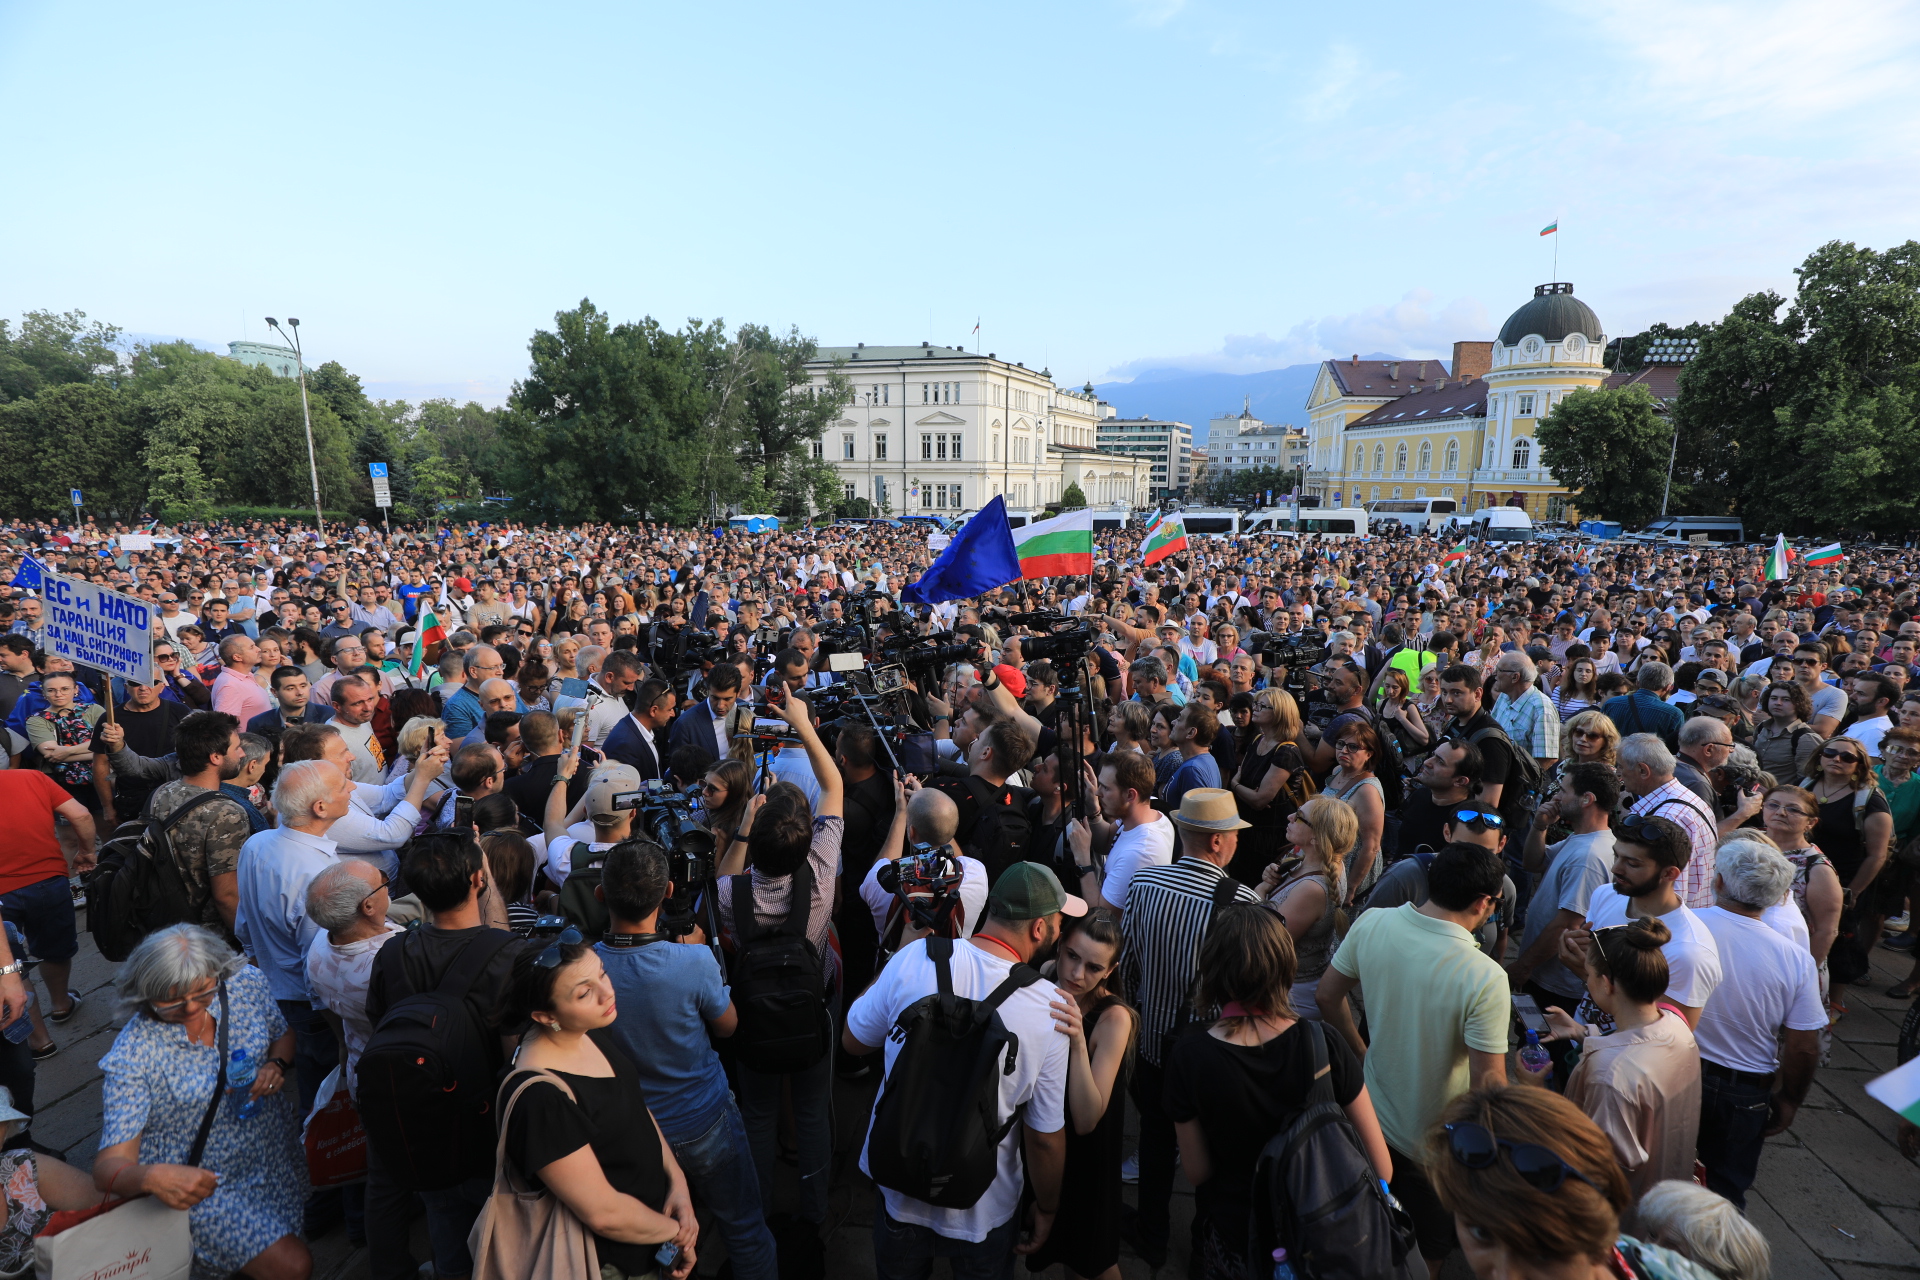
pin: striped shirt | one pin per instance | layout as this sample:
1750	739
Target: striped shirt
1674	802
1167	913
1531	721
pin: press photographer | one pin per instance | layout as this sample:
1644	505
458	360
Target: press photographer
922	883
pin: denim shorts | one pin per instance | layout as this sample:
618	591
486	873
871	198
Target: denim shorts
44	912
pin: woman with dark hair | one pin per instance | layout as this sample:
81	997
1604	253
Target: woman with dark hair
1355	752
1640	1082
724	791
1535	1190
412	704
1579	684
1855	830
581	1128
1101	1029
1234	1083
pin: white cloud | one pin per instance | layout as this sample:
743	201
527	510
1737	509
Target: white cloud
1336	84
1411	327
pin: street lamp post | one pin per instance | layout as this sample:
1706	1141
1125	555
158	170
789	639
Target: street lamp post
306	414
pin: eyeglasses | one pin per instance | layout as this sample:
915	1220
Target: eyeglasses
385	881
191	998
1840	754
1475	1147
1348	745
550	958
1482	819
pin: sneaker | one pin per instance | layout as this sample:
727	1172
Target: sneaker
1130	1170
1899	922
1900	941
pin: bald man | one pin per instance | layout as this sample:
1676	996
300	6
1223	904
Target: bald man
495	695
926	818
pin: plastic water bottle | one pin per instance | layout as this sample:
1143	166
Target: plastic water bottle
1534	1057
241	1070
1282	1269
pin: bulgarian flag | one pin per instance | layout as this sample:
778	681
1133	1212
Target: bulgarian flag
1899	1089
1550	228
1458	553
430	632
1058	547
1166	535
1829	554
1778	559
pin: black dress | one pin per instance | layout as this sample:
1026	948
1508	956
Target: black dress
1086	1235
1261	844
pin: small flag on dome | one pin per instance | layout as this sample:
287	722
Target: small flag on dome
1550	228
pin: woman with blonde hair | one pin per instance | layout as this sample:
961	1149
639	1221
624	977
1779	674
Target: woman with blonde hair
1261	785
1307	890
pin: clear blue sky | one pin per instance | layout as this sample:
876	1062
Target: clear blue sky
1107	186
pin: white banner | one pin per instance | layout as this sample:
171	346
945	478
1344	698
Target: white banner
98	628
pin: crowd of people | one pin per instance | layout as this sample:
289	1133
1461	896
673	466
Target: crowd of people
592	823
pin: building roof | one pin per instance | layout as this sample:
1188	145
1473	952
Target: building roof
919	353
1448	400
1373	378
1662	381
1553	313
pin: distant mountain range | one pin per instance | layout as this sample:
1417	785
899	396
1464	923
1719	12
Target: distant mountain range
1277	395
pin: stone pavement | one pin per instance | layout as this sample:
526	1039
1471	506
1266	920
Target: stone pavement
1834	1197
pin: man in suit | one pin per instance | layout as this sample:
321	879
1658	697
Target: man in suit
636	739
704	724
293	699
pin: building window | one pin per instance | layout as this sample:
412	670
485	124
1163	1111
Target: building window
956	450
846	446
996	448
850	493
1400	460
926	448
1526	405
1557	506
1490	449
880	446
1396	491
940	447
1376	491
1522	454
820	449
1421	492
1447	492
1426	456
926	393
1359	458
1453	454
1379	460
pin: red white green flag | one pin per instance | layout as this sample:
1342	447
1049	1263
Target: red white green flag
1779	559
1829	554
1165	536
1458	553
1057	547
429	632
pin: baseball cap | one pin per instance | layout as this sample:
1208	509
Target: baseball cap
1012	677
600	796
1028	891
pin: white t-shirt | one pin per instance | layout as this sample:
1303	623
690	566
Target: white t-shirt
1693	961
1039	1079
1785	918
973	895
1868	733
1771	983
1147	845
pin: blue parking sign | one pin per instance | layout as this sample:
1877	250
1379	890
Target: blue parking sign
378	470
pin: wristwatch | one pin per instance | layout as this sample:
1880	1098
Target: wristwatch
16	967
286	1068
1083	872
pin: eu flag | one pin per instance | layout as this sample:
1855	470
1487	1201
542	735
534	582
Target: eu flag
980	558
29	575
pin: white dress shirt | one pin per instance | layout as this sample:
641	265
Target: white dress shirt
276	866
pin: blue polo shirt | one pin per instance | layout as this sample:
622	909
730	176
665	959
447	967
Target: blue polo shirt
665	994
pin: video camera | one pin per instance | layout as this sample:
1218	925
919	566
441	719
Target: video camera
671	651
927	882
1066	639
920	654
668	818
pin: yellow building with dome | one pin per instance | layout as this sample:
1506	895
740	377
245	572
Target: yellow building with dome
1388	428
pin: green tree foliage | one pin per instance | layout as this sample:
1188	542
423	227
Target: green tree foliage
1072	498
72	435
1252	482
635	421
1611	448
50	350
1806	419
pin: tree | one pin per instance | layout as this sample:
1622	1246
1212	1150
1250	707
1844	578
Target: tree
51	350
1782	415
72	435
779	409
1072	498
1611	448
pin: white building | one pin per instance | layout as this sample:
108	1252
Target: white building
1244	443
942	429
1166	445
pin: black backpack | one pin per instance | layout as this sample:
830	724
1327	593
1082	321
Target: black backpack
136	887
937	1127
1528	778
779	982
427	1073
1316	1195
577	901
1003	833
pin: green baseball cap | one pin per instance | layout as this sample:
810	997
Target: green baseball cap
1029	891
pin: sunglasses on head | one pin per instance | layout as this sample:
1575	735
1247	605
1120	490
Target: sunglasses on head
1483	819
551	957
1475	1147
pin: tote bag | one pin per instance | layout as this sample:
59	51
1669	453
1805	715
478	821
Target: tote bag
137	1239
523	1234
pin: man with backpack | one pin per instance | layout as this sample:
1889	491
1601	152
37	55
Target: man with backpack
996	821
975	1072
1167	913
437	1002
205	840
775	920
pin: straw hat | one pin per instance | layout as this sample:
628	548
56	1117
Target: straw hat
1209	809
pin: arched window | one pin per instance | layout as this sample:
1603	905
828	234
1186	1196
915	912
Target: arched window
1426	456
1376	491
1400	459
1453	455
1490	449
1359	457
1421	492
1522	454
1379	460
1447	492
1396	491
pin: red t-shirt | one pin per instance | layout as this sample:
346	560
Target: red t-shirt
28	798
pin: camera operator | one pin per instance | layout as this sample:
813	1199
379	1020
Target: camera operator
610	825
926	820
789	672
779	837
638	739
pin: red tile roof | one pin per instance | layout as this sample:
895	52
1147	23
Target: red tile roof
1662	381
1372	378
1432	402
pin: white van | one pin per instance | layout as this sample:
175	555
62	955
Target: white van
1329	522
1494	524
1211	522
1698	528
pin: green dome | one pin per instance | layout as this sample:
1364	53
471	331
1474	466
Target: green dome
1553	313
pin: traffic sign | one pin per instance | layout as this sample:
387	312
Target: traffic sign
382	493
378	470
76	497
